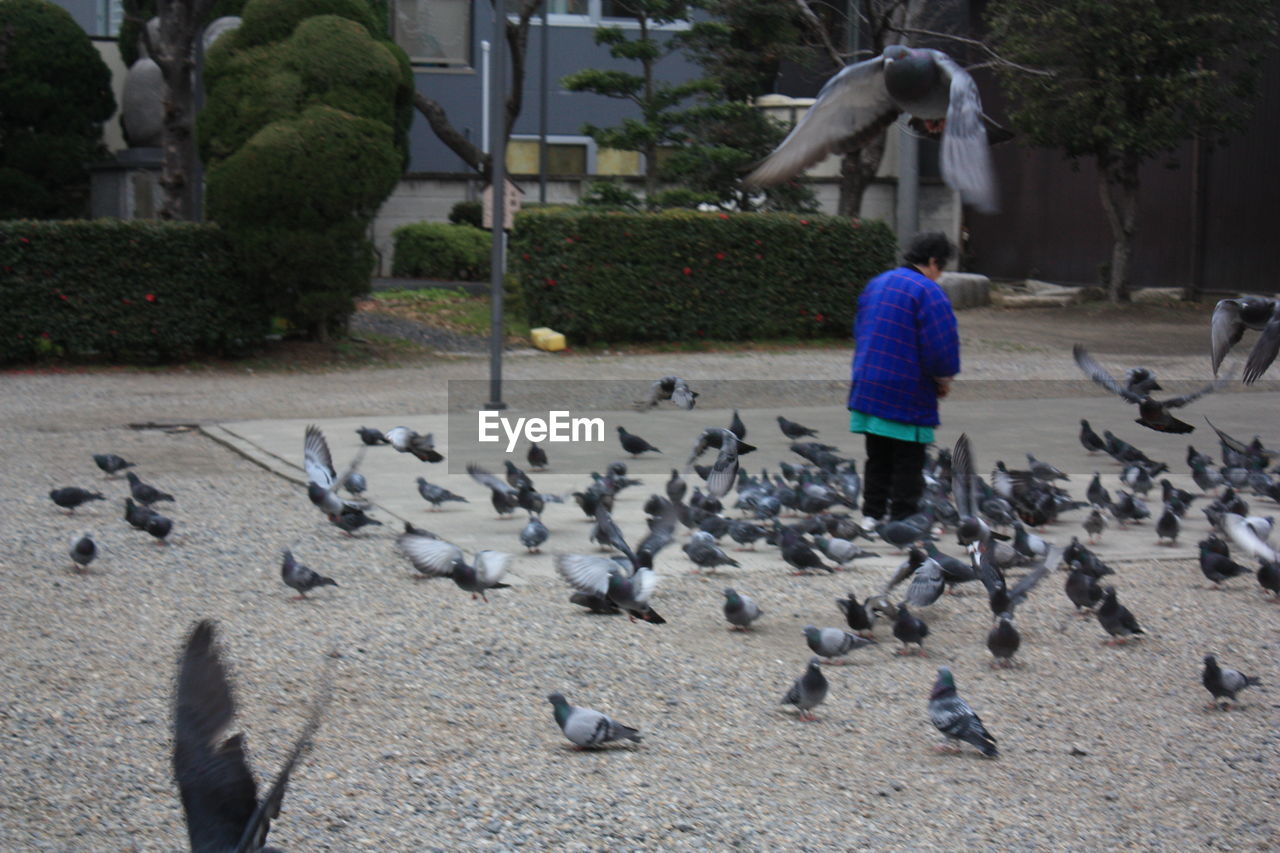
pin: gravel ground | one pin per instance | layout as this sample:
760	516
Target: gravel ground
439	736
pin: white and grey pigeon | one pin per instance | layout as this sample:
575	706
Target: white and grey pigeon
587	728
705	553
533	534
808	692
591	573
83	551
865	97
833	643
1230	319
323	482
671	388
437	558
740	610
952	716
1224	683
300	577
1246	533
406	440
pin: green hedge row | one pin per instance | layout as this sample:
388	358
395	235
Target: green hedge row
439	250
681	275
124	291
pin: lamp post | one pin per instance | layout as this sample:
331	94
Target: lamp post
498	192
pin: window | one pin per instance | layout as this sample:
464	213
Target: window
109	14
436	33
570	155
583	13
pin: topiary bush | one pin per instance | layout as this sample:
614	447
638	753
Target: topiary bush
467	213
680	275
437	250
124	291
55	93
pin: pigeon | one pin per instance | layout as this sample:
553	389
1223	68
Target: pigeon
406	440
1091	440
740	610
793	430
1269	578
865	97
676	487
601	576
110	463
808	692
1246	537
218	791
855	615
1083	590
737	427
372	437
965	488
300	577
83	551
436	495
607	533
137	514
832	643
843	551
634	444
671	388
503	496
1152	414
909	630
1094	525
1167	526
1043	470
1003	641
587	728
323	482
595	603
1000	597
351	519
723	473
745	533
927	583
534	534
952	716
705	554
1218	567
70	497
536	457
797	553
158	526
1116	619
1224	683
437	558
1231	317
145	494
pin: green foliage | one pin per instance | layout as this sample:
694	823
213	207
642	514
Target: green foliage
1130	80
611	194
305	135
679	275
55	92
467	213
438	250
126	291
745	42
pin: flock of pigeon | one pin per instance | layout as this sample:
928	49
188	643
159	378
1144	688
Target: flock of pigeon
994	519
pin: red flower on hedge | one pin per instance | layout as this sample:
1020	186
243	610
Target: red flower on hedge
804	222
23	240
551	282
150	297
687	271
719	256
724	216
818	318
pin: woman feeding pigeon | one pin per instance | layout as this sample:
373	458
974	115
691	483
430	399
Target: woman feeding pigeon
906	352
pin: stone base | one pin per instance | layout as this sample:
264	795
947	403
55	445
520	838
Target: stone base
966	290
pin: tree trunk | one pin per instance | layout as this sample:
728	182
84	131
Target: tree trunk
857	170
457	143
1119	191
180	24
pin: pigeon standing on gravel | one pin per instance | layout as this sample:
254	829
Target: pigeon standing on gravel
909	630
158	527
832	643
136	514
952	716
70	497
1003	641
601	576
144	493
437	558
300	577
1218	567
634	444
587	728
83	551
351	519
703	551
1083	590
406	440
111	463
1167	526
372	437
1116	619
218	791
808	692
740	610
1224	683
1269	578
855	615
533	534
1231	317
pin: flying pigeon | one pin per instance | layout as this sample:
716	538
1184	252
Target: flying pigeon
952	716
1224	683
634	444
855	615
601	576
671	388
740	610
300	577
1116	619
587	728
832	643
406	440
437	558
504	497
1152	414
111	463
70	497
372	437
737	427
351	519
218	791
143	493
83	551
808	692
323	482
865	97
1231	317
794	431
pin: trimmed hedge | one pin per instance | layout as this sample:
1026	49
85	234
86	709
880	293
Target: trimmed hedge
681	275
123	291
437	250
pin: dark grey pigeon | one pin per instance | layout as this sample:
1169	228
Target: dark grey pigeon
536	457
423	447
909	630
634	444
705	553
808	692
1230	319
676	487
595	603
300	577
1153	414
534	534
110	463
159	527
70	497
1116	619
1269	578
1003	641
741	610
1218	567
737	427
83	551
137	515
952	716
372	437
1091	441
1167	526
587	728
436	495
1224	683
144	493
350	519
1083	590
218	791
745	533
793	430
855	615
832	643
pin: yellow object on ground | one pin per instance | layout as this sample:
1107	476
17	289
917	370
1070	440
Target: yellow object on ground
547	339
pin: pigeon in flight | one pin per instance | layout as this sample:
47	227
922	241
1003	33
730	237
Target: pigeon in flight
372	437
952	716
70	497
1224	683
808	692
218	791
634	444
323	482
145	494
437	558
1231	317
504	496
865	97
740	610
406	440
300	577
111	463
587	728
671	388
602	576
83	551
794	431
855	615
1152	414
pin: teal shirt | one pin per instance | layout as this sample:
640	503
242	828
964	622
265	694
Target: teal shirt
862	422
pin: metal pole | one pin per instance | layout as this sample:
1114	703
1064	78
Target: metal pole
486	66
498	187
197	177
542	110
908	183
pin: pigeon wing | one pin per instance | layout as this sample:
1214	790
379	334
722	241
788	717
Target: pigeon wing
1098	374
1051	559
851	100
966	156
962	477
1225	330
1264	350
586	572
486	478
1245	538
430	556
491	566
316	458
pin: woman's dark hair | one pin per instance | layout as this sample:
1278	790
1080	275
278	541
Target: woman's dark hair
930	244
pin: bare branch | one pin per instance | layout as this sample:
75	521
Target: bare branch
996	61
459	144
816	28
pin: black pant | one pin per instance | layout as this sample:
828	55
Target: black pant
893	475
